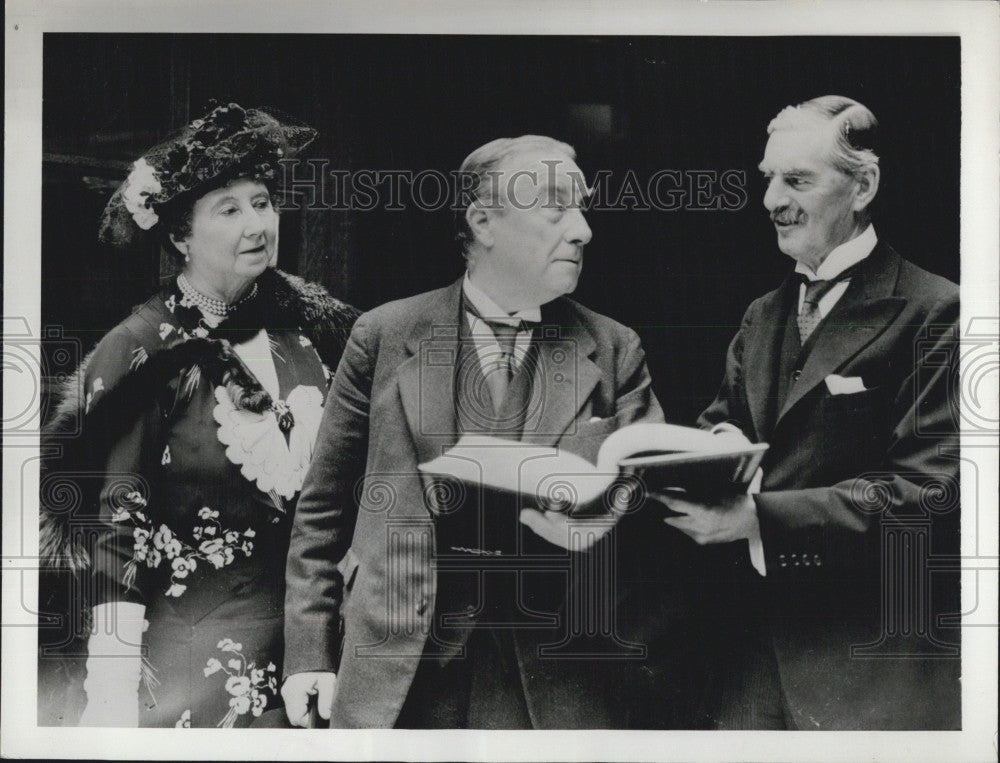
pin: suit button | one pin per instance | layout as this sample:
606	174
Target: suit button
781	557
816	560
470	610
796	375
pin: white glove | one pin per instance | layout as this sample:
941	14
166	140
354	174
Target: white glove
114	666
299	688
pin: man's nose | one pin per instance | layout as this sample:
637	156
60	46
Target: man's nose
578	232
775	195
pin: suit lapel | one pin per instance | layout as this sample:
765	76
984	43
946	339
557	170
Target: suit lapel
564	379
865	310
427	376
560	387
761	353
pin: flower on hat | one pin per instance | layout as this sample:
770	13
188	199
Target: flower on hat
227	142
139	186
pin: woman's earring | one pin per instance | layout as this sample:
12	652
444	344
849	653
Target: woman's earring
187	258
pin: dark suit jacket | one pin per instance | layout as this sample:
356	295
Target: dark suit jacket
859	490
363	516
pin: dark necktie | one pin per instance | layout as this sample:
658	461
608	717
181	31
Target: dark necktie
809	316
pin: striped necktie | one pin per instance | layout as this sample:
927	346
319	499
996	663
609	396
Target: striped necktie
499	380
809	315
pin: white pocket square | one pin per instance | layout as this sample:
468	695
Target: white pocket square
844	385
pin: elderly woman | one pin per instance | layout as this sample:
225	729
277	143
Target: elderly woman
199	413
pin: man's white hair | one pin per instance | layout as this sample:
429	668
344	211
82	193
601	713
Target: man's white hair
852	124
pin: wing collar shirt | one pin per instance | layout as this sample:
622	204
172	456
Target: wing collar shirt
836	262
487	347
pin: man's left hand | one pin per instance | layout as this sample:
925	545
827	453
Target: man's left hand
723	521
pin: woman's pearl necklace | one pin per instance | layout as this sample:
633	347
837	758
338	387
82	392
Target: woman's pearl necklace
209	304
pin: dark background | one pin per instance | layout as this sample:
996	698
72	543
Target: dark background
682	279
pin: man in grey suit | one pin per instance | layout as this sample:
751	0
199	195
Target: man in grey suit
846	370
412	605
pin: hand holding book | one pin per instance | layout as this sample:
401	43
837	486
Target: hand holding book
724	520
633	462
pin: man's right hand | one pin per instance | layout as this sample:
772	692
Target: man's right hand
299	688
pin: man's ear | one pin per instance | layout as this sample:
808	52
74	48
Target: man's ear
867	186
478	220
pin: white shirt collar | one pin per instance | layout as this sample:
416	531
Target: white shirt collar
842	257
489	309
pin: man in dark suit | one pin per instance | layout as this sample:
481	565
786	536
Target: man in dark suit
445	610
845	369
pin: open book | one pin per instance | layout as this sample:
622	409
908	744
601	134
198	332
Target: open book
641	456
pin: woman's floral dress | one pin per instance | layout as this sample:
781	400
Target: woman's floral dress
195	514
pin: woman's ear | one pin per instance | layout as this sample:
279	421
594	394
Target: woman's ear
180	244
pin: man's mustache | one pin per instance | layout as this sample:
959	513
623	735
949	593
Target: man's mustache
784	218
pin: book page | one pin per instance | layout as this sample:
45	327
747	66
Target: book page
549	476
663	438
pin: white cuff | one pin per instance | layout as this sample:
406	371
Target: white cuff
757	555
755	542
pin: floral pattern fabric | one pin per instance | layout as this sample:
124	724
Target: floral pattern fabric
199	538
249	686
217	546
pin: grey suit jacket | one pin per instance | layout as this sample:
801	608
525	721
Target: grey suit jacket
363	541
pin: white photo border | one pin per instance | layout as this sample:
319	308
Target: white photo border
978	25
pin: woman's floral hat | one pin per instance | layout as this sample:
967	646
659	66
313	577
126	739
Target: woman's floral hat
227	140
